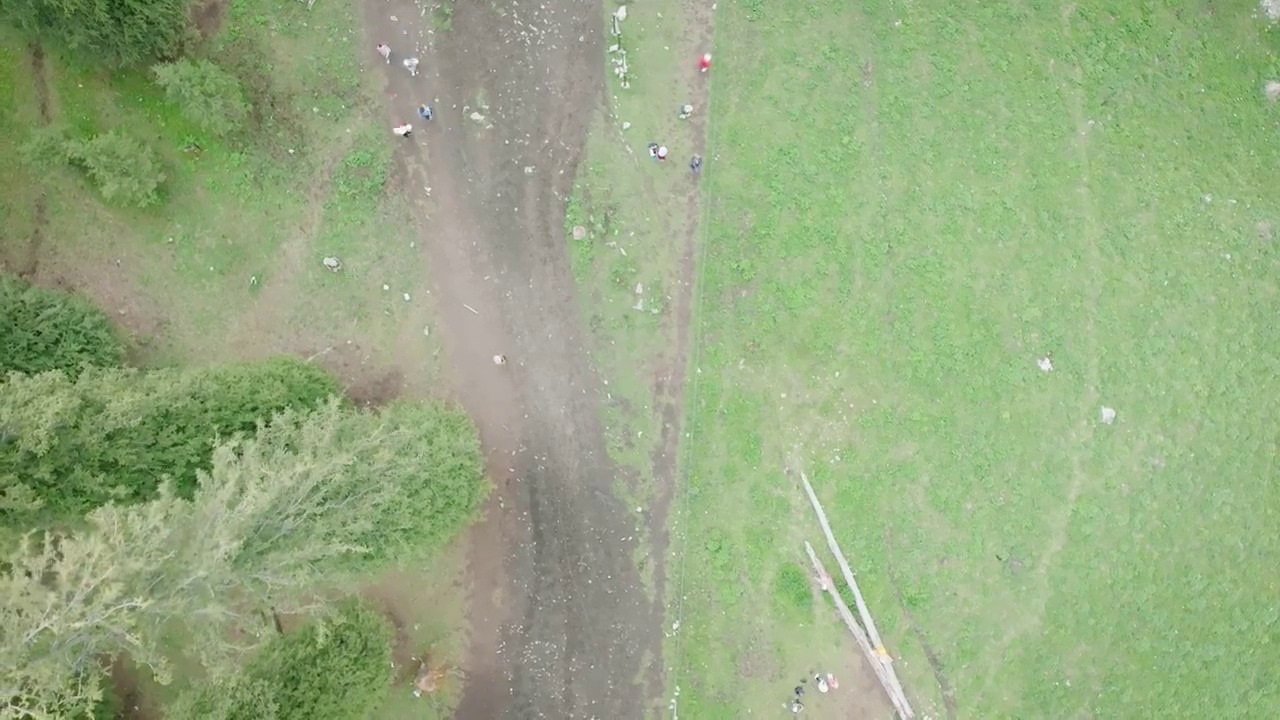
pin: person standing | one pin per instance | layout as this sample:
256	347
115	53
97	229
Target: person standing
411	64
424	112
385	51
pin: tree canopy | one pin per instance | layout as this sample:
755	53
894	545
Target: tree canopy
310	499
43	330
208	95
70	445
336	667
114	32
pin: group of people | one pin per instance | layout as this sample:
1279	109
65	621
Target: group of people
425	113
659	152
824	682
656	151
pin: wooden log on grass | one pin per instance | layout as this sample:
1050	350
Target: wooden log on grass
882	655
845	570
884	671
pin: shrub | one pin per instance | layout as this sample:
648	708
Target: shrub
435	461
42	330
68	446
207	95
47	148
125	170
334	668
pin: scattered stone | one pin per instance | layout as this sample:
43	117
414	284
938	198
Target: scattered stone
426	331
626	125
1108	415
477	117
386	288
639	288
528	169
333	263
579	232
1045	363
1273	90
406	297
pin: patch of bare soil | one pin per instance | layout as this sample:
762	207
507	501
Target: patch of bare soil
133	704
30	262
102	280
207	16
560	624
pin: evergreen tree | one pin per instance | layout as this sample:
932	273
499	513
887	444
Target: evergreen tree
334	668
309	501
114	32
68	446
208	95
42	330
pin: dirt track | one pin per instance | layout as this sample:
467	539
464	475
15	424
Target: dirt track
561	627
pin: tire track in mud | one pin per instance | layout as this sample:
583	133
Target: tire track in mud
560	623
40	221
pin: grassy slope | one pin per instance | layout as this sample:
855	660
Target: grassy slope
936	204
306	181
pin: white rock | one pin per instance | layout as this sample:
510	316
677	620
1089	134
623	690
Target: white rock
1045	364
1108	415
406	297
333	263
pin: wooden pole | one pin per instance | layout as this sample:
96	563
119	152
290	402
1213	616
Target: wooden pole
845	570
883	658
883	671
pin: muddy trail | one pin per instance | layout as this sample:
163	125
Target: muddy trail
561	627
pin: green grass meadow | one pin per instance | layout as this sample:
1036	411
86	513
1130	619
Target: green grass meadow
908	205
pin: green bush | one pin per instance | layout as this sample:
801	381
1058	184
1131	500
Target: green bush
125	170
47	148
42	330
68	446
207	95
433	455
334	668
114	32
